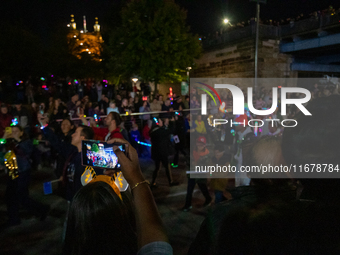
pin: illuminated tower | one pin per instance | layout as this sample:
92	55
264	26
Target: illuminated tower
83	41
84	22
73	24
96	26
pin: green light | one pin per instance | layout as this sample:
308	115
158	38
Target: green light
2	141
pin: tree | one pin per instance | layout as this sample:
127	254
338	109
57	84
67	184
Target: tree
95	148
153	42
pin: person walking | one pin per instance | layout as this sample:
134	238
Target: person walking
160	150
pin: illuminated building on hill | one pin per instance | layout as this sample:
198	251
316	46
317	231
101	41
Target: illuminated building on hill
84	42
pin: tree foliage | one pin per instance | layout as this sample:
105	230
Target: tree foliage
153	42
95	148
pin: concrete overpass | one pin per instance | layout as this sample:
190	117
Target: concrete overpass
307	48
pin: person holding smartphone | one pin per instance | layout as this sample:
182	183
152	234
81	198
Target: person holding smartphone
103	227
73	168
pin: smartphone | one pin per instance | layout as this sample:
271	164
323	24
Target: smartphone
99	154
8	130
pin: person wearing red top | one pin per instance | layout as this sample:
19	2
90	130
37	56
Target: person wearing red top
147	138
146	130
112	121
5	119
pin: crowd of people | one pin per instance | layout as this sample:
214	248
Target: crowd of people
250	215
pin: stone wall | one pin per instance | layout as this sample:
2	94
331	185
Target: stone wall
237	61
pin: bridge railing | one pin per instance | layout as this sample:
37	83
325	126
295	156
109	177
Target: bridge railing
274	32
310	24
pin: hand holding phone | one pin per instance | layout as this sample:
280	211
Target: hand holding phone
99	154
129	161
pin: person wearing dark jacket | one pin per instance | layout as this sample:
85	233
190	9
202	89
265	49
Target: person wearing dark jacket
166	107
160	149
73	168
67	130
17	194
180	139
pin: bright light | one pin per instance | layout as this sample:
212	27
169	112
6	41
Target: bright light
189	68
68	25
134	80
225	21
87	49
74	36
89	52
81	31
170	89
81	43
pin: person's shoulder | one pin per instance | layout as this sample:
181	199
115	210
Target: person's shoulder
156	248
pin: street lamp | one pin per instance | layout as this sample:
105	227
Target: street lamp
226	23
134	80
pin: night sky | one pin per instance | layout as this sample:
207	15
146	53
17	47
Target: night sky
204	16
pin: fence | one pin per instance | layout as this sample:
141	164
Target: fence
274	32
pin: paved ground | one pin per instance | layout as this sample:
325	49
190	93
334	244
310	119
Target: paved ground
37	237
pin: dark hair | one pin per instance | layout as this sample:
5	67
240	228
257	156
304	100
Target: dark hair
99	223
87	132
115	116
24	135
94	105
71	122
265	150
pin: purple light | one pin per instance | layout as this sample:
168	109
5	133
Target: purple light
17	84
106	85
52	75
